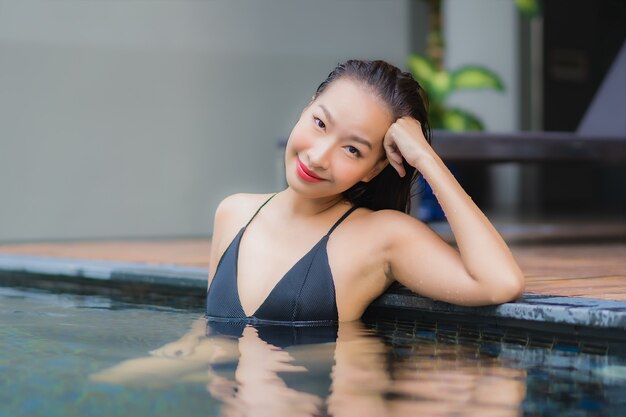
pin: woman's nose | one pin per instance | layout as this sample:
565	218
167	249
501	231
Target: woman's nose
319	154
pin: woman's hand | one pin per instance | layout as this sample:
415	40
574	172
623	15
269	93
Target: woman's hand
405	140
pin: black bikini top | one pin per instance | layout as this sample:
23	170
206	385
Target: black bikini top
304	296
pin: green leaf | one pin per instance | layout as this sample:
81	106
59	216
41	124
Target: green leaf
472	77
422	69
441	84
529	8
436	83
457	120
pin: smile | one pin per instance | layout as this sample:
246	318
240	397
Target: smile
305	173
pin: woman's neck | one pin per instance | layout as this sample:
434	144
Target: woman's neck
298	206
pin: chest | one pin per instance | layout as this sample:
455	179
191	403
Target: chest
264	261
268	264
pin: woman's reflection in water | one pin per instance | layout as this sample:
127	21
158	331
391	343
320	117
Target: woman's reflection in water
347	370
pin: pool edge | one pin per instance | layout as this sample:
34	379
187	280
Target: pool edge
608	316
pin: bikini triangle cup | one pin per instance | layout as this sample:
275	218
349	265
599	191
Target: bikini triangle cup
305	294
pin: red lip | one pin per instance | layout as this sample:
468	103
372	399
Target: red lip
306	174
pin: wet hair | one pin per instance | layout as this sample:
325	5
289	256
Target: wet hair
404	97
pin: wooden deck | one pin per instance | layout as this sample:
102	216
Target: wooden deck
595	270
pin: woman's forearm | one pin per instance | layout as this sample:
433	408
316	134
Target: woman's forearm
485	255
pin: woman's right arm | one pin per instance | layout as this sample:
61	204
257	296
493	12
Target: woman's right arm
230	215
215	241
223	216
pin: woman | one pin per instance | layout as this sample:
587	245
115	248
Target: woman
350	161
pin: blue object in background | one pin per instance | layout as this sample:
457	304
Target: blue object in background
428	209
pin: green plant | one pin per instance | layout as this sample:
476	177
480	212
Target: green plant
440	83
529	8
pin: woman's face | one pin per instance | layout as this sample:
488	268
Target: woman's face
338	140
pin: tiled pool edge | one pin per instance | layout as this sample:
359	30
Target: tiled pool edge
105	271
605	315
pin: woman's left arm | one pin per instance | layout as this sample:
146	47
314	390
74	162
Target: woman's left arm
486	272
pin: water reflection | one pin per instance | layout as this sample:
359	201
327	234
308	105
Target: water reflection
340	371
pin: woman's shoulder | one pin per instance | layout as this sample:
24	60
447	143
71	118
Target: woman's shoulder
242	201
239	206
386	217
386	223
233	212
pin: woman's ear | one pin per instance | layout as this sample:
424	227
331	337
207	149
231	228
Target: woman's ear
380	165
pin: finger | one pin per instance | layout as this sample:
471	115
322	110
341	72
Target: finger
394	156
399	168
395	160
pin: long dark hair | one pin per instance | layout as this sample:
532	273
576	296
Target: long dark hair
405	97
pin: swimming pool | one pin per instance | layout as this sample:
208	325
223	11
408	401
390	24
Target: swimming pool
105	355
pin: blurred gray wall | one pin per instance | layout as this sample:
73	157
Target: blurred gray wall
125	118
486	32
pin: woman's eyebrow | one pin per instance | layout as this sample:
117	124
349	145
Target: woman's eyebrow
353	137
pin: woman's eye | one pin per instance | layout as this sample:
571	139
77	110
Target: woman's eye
354	151
319	123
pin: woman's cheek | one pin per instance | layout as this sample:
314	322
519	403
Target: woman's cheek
344	173
300	144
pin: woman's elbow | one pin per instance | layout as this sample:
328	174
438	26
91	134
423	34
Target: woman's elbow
510	290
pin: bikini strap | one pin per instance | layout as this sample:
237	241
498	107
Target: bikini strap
259	209
342	218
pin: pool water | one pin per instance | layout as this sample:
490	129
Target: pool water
71	354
